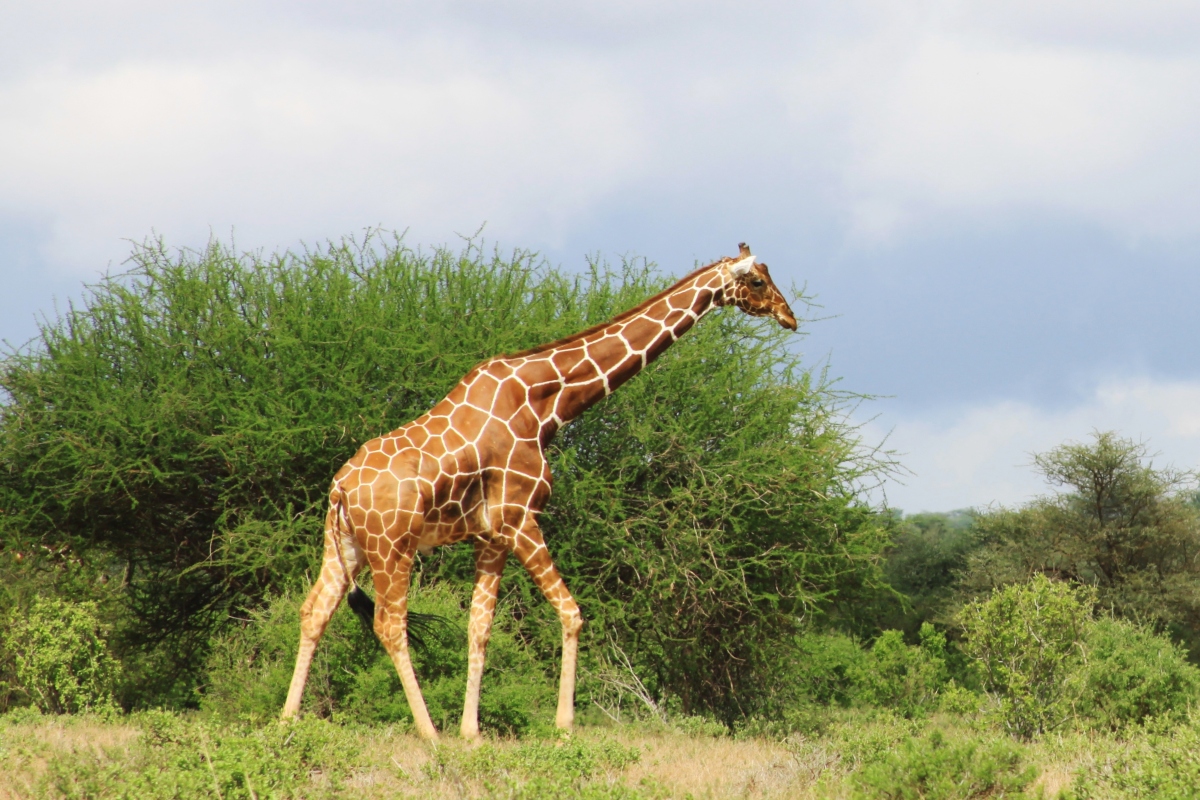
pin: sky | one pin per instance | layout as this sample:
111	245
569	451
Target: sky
996	206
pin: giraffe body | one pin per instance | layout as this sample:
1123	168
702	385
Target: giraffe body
474	466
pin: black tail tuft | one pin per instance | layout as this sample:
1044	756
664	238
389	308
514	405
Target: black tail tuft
418	624
363	606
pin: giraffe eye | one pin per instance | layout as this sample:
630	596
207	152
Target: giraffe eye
758	283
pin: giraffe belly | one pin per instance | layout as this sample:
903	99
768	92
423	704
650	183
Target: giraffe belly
455	512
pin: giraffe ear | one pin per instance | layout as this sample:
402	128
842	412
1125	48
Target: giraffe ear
741	267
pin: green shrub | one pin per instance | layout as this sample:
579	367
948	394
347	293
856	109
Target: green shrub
353	679
825	667
935	768
1130	674
901	676
813	676
193	760
1160	762
540	769
957	699
62	660
1025	638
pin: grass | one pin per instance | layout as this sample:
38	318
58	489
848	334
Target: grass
858	754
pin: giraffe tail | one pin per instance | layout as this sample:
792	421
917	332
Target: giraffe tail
419	625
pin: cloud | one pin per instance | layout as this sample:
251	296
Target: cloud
989	126
286	147
982	455
873	121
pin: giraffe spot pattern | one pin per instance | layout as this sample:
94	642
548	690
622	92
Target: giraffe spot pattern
474	467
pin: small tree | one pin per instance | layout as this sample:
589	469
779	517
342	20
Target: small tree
62	660
1024	638
1127	528
901	676
927	554
1130	674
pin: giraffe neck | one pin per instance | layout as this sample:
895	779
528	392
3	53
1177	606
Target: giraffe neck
591	365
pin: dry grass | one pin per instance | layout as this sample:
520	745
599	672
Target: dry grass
391	763
705	767
671	764
28	748
395	764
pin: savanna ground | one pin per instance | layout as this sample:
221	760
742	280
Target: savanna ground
157	754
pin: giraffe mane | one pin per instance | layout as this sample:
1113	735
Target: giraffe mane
624	315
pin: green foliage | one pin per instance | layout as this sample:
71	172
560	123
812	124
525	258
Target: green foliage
62	659
1121	525
352	679
866	736
177	432
541	769
935	768
705	524
1162	762
1024	638
187	760
1130	674
957	699
826	667
927	553
906	678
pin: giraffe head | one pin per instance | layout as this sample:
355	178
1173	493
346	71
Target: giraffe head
752	290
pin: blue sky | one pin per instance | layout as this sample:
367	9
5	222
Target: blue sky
997	205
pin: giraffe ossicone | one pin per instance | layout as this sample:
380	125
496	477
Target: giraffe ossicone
473	467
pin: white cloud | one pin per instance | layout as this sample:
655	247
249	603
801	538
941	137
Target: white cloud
982	455
991	126
299	121
288	147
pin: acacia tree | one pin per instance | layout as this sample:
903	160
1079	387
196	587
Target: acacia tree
1122	525
175	434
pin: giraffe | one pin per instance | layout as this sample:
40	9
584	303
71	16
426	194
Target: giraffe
474	467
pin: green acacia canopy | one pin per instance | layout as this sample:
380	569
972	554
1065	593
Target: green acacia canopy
179	428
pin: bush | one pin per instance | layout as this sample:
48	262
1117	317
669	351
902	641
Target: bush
1025	639
1118	523
353	679
1130	674
1162	762
190	760
539	769
933	768
62	659
904	677
927	554
825	667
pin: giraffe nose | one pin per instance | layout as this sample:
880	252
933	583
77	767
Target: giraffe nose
785	318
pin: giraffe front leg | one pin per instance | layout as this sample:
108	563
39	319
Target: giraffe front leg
489	565
531	550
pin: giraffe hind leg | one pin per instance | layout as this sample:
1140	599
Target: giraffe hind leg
489	565
419	625
391	625
342	561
